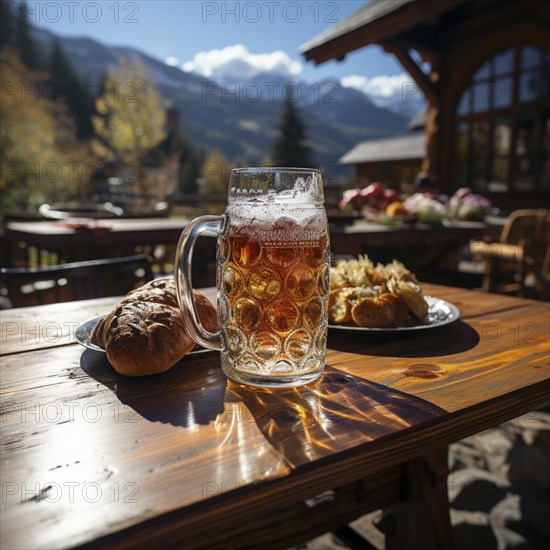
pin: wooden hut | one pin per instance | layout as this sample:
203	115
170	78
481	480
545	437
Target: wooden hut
395	161
486	88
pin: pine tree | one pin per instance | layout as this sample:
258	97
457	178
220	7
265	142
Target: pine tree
191	167
65	82
131	118
7	20
24	41
289	147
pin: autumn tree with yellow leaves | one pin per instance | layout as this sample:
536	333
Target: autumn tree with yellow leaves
40	159
131	118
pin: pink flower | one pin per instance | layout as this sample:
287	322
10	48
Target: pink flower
467	205
372	191
351	200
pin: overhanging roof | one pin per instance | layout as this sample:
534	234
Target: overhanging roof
377	22
378	150
365	15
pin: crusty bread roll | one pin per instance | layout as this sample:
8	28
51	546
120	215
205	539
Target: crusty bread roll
145	333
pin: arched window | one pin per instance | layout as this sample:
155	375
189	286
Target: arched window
502	124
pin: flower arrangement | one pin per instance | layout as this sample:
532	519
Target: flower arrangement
370	200
377	203
467	205
426	207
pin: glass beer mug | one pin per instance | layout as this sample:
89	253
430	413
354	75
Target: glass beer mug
272	277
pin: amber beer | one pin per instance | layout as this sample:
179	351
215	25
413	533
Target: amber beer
272	277
274	287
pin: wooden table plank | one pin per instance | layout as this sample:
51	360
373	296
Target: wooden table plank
474	303
86	451
202	451
501	352
28	328
115	228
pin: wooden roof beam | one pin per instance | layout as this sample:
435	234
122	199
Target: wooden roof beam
425	84
368	27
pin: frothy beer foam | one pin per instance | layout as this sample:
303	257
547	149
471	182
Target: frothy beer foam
279	219
280	188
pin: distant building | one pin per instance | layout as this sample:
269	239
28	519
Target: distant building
392	161
487	87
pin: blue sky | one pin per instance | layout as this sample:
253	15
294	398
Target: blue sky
216	38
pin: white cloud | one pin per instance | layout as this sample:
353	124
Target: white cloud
172	61
382	88
237	63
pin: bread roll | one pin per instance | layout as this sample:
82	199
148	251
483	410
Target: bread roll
145	333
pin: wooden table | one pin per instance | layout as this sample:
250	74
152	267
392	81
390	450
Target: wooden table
187	459
112	238
421	247
95	239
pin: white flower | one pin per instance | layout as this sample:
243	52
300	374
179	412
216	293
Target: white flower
425	208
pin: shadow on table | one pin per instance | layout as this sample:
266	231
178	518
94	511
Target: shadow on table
190	393
331	415
445	340
305	423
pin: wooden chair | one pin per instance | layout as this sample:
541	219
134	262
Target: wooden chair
515	264
75	281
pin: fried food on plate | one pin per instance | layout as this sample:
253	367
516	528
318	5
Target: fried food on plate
370	296
373	313
413	297
341	301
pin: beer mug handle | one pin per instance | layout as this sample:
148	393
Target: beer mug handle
183	262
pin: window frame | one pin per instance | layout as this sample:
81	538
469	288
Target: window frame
538	109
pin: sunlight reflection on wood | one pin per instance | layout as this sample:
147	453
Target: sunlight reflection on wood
332	415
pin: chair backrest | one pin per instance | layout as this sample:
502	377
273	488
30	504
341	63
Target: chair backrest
75	281
527	226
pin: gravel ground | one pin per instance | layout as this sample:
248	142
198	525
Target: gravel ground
499	489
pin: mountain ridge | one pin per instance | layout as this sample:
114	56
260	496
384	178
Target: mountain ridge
239	118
